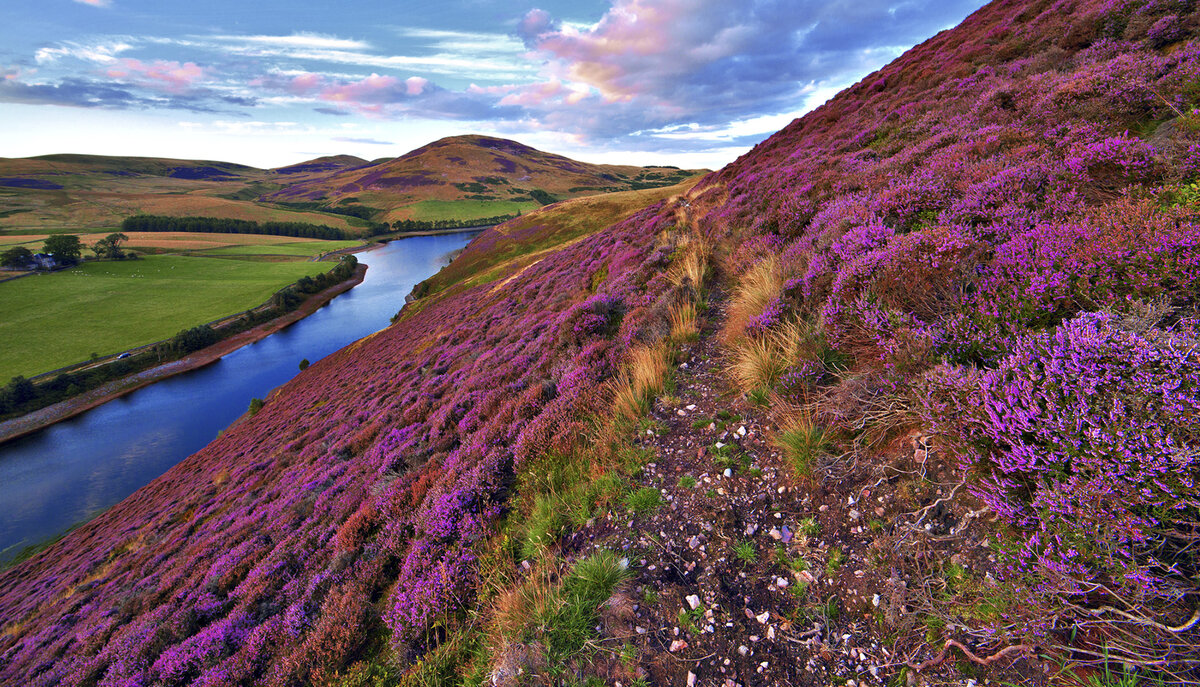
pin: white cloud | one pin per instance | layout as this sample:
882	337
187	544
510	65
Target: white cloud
310	41
100	53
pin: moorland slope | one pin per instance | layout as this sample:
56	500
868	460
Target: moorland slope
908	392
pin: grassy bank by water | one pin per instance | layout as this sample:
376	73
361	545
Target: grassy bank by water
57	319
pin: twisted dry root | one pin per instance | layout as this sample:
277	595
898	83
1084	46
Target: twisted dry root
950	643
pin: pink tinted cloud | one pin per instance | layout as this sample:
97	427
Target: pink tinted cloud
367	90
169	75
638	45
305	83
95	3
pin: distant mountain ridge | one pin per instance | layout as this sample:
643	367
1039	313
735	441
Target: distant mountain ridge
472	167
459	178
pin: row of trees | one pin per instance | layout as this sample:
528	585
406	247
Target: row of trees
221	225
430	224
67	249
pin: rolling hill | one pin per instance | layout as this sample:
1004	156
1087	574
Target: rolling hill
460	178
496	176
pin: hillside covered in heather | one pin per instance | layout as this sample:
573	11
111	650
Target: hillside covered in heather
910	392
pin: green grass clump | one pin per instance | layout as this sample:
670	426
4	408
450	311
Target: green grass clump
801	441
687	481
690	619
561	494
784	560
835	561
570	623
759	397
745	552
643	500
808	527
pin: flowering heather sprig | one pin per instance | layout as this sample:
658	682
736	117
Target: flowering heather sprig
1088	438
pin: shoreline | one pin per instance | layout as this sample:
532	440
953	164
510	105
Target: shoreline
64	410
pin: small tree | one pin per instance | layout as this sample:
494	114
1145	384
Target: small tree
110	246
66	248
17	256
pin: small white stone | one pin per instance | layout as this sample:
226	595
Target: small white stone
719	445
691	679
693	601
781	582
728	472
741	431
875	601
677	645
743	650
690	406
763	617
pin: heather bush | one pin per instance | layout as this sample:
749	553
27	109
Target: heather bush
1086	440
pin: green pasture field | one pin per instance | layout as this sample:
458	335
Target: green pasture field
51	320
467	209
30	243
295	249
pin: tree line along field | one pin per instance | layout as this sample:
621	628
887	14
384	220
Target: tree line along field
52	320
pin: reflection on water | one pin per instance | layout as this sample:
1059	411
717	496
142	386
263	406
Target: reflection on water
71	471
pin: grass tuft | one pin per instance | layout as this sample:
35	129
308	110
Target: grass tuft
802	442
760	285
637	386
745	552
643	500
685	328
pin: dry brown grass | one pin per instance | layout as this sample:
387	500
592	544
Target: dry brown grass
758	363
761	284
690	269
186	240
685	325
641	381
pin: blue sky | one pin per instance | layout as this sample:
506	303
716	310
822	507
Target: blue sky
269	83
